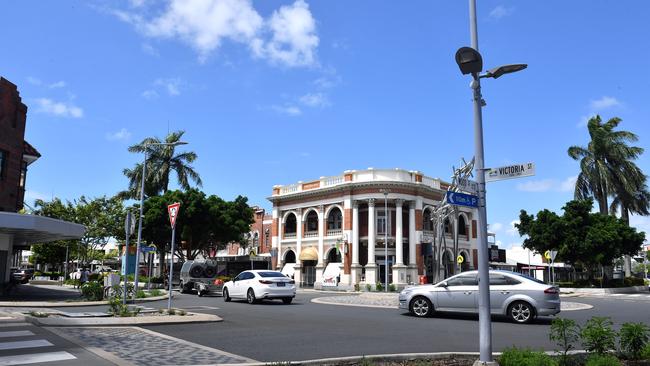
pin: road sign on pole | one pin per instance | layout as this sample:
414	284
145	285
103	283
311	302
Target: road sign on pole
173	213
510	172
462	199
468	185
460	259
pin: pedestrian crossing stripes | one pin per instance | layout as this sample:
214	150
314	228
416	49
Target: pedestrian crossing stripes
34	346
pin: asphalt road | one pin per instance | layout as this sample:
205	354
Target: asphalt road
271	331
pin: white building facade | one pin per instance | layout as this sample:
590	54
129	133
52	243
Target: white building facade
363	226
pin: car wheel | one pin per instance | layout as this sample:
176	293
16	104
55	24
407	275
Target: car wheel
226	295
287	300
250	296
521	312
200	293
421	307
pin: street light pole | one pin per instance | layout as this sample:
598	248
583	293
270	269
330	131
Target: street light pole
485	322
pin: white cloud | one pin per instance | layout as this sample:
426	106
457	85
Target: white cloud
604	103
171	85
546	185
497	226
512	230
59	109
288	37
121	135
58	84
137	3
149	49
315	100
289	110
500	12
150	94
34	81
305	154
294	39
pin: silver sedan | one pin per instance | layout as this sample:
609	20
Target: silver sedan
520	297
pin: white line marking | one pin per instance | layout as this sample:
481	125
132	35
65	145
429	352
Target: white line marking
616	294
16	333
35	358
637	295
5	317
24	344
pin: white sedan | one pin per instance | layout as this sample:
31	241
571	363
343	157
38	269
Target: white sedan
256	285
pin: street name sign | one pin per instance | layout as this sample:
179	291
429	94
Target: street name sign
510	172
147	249
173	213
462	199
468	185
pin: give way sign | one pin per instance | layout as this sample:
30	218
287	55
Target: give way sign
173	213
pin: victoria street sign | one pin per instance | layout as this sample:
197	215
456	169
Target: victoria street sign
468	185
510	172
462	199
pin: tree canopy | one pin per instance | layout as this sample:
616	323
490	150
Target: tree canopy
204	222
579	236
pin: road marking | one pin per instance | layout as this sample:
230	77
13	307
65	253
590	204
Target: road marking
35	358
634	295
616	294
24	344
17	333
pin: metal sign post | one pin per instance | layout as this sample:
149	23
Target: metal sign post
173	214
127	230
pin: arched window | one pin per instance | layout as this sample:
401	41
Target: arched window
290	224
427	224
334	219
462	226
447	226
312	221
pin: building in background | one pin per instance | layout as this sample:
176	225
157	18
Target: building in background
19	231
332	231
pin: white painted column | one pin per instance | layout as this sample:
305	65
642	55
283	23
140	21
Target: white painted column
320	267
399	240
371	267
347	234
355	270
297	274
413	268
372	231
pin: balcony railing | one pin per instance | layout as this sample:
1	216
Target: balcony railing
311	234
334	232
289	235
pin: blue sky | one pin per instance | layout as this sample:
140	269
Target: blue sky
273	92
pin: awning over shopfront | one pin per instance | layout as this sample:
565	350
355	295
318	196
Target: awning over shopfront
309	254
28	229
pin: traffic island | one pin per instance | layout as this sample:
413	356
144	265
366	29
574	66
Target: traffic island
71	303
63	319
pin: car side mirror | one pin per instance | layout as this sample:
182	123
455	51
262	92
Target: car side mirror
444	284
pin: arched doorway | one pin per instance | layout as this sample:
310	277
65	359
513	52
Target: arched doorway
332	272
465	265
309	259
289	263
448	264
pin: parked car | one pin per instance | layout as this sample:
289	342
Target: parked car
520	297
256	285
22	275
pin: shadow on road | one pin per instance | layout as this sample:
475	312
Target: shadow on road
474	317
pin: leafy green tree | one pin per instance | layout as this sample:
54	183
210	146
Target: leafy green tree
162	161
52	254
204	223
102	217
579	236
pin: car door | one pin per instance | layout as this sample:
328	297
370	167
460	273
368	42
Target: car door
501	287
459	295
237	285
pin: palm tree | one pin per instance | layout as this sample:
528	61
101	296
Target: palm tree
607	168
162	160
606	164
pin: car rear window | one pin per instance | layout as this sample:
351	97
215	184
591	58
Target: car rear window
528	277
271	274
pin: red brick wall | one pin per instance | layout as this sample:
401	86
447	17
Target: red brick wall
13	114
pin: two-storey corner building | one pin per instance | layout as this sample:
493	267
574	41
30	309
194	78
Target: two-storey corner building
355	228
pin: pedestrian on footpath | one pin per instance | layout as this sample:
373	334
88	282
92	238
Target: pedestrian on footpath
83	278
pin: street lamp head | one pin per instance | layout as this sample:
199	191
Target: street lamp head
469	60
504	69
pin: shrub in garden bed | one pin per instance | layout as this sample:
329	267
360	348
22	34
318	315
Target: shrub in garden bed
92	291
525	357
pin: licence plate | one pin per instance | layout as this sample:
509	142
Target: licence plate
281	284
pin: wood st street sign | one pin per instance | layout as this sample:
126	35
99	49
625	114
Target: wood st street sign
510	172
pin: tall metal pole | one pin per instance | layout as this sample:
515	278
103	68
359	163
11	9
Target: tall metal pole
171	269
137	246
65	270
386	216
485	323
126	256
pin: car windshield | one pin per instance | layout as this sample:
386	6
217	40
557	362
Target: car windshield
271	274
